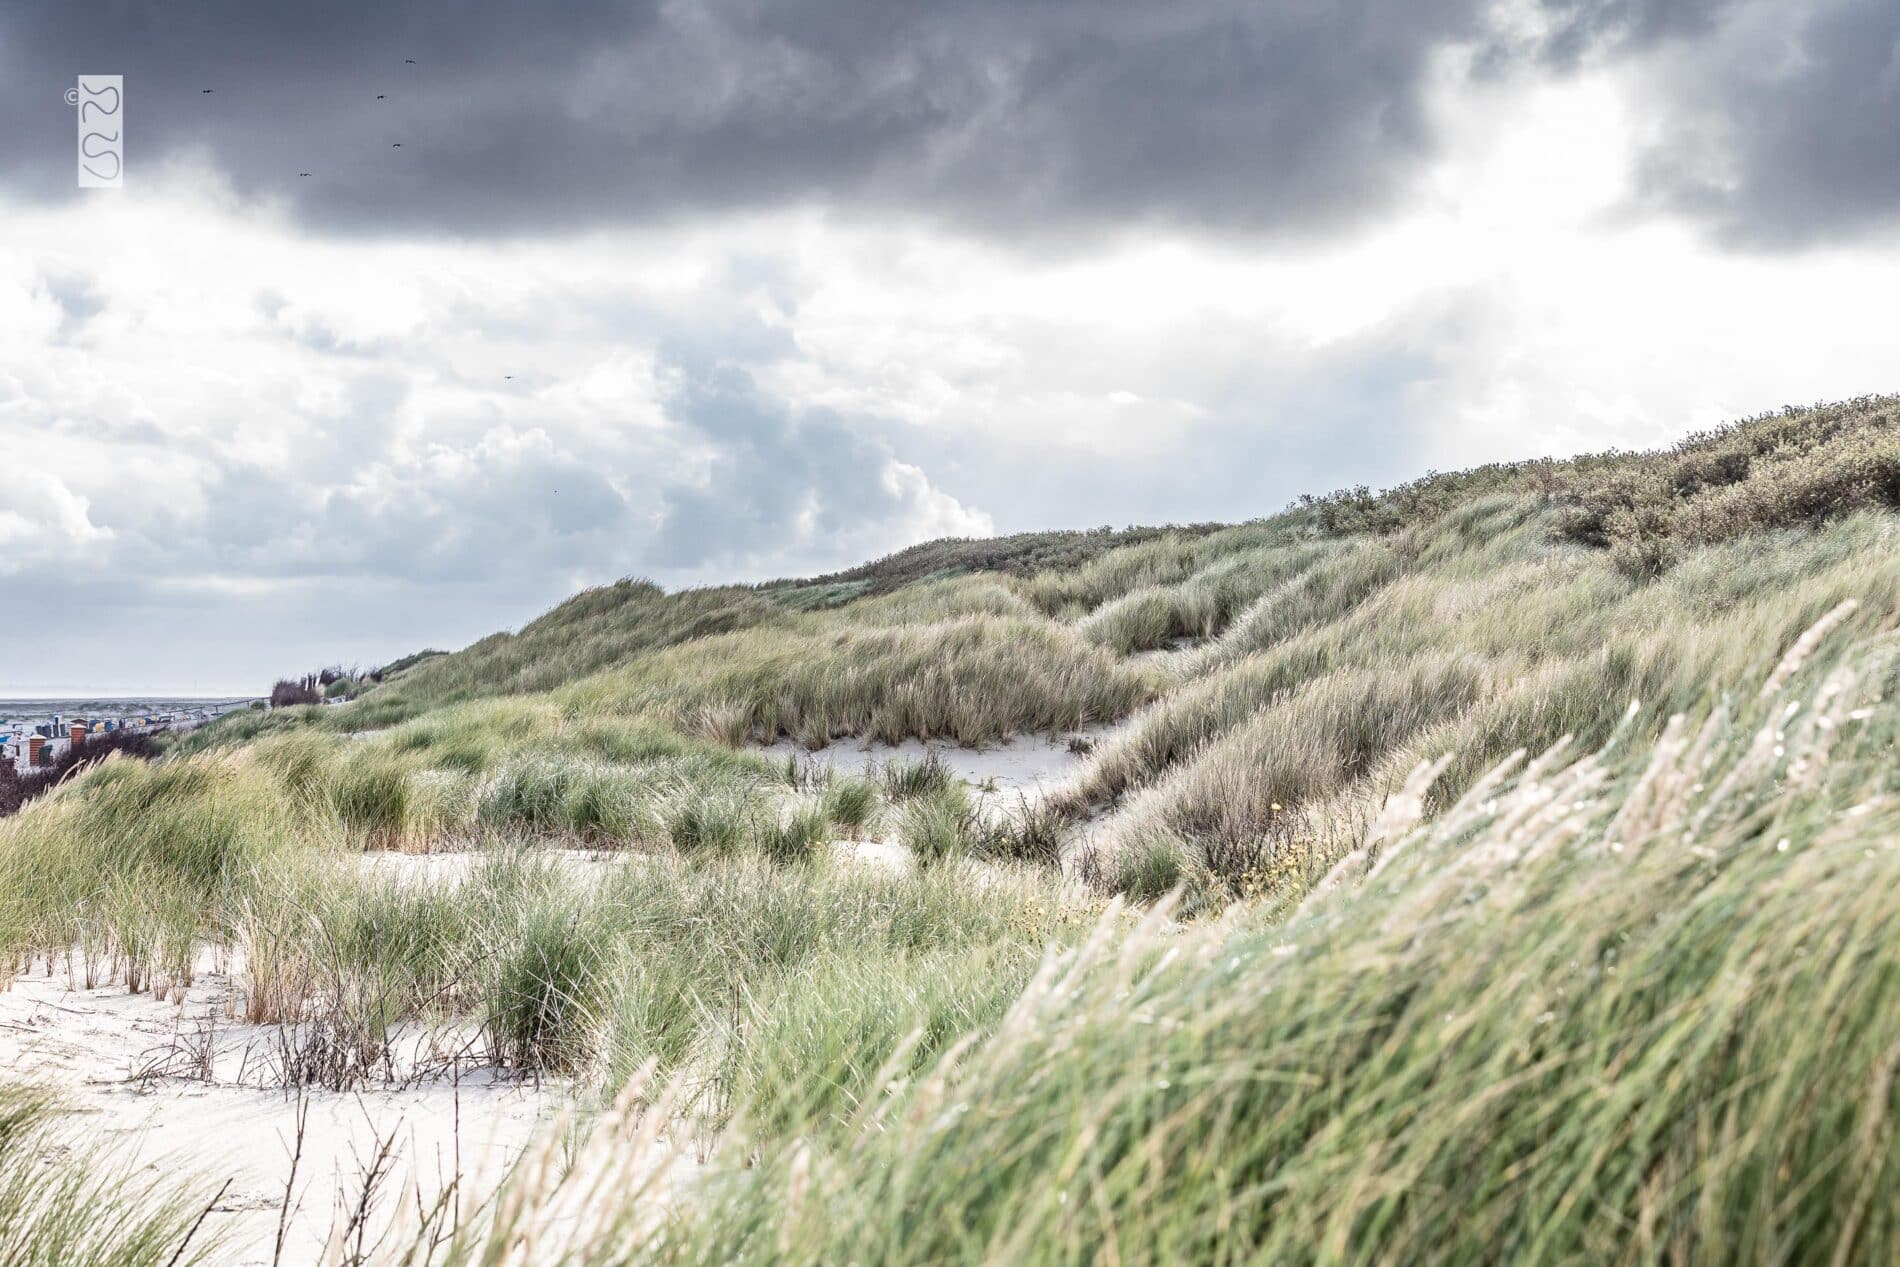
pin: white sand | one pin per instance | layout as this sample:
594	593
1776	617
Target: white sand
1030	765
90	1045
452	866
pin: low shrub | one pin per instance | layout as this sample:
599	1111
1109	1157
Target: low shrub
289	693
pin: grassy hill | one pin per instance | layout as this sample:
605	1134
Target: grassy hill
1497	868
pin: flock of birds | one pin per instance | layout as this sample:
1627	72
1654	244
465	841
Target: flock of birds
381	96
394	145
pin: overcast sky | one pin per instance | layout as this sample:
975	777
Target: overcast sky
741	289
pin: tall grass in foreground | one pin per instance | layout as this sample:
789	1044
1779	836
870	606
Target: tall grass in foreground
82	1210
1637	1006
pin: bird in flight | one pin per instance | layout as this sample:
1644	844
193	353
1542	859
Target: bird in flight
204	90
507	375
303	173
395	145
381	95
409	61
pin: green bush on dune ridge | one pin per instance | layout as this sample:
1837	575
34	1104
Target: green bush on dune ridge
1248	986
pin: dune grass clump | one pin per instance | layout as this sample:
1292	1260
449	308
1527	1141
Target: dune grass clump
697	823
542	979
799	835
903	780
1145	865
349	957
371	793
1032	831
939	825
136	863
852	804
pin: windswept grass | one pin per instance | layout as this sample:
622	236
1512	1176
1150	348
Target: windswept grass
1775	470
1024	554
689	961
1631	1007
592	631
67	1207
1494	639
135	864
1201	606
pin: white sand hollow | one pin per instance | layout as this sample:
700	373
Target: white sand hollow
1030	765
1026	766
90	1047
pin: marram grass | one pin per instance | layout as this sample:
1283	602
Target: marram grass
1635	1005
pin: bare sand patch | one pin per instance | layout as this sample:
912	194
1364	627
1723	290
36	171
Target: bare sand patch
452	866
175	1087
1028	764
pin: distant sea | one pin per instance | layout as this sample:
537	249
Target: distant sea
113	706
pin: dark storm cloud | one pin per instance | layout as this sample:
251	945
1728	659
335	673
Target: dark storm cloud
1787	132
1269	115
1582	28
1777	124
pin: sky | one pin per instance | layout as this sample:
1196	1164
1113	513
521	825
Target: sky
736	290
